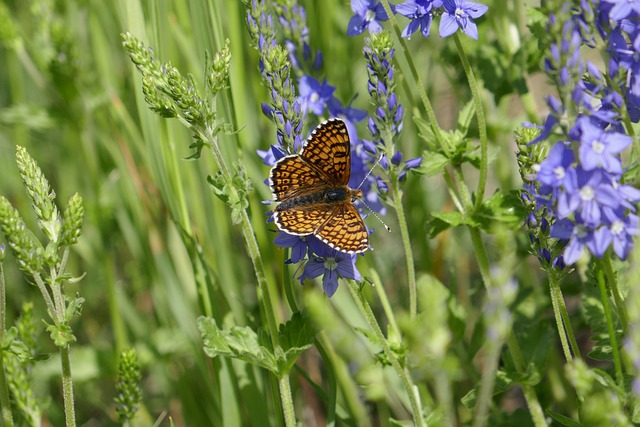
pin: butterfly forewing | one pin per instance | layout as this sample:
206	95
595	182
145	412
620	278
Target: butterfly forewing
328	149
292	177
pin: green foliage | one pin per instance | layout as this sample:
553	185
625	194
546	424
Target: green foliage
171	270
245	344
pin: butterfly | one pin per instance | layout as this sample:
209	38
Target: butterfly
313	193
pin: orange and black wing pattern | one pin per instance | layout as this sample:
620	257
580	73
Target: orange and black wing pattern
329	149
345	230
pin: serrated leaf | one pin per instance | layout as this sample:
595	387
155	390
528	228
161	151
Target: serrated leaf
219	187
62	335
240	343
297	335
433	163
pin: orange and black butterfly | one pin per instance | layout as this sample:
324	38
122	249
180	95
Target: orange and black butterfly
312	188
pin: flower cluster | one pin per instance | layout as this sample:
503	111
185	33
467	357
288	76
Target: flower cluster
386	124
454	15
288	111
581	183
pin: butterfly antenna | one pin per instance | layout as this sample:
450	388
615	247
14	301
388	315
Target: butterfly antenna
362	200
369	173
375	214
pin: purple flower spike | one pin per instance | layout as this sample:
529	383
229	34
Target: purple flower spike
459	14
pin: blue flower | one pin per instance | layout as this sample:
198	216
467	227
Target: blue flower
623	8
553	170
367	15
332	264
459	14
419	11
586	192
314	95
580	236
298	245
600	149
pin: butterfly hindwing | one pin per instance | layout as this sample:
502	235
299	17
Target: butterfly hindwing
345	230
302	220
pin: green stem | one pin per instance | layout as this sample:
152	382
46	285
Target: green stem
611	329
537	414
45	294
406	242
514	348
252	245
566	320
384	301
407	383
615	290
487	383
67	387
7	417
287	401
556	297
414	73
482	123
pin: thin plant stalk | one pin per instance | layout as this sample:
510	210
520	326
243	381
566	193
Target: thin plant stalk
7	417
617	363
556	297
405	378
482	123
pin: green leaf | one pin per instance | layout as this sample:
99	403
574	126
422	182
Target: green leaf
433	163
441	221
473	156
74	308
297	335
504	208
563	419
465	117
237	342
218	186
503	383
62	335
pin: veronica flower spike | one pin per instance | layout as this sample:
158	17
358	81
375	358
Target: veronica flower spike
459	14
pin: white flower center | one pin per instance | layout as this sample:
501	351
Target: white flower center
460	13
580	231
617	227
330	263
370	15
587	194
597	147
314	97
559	172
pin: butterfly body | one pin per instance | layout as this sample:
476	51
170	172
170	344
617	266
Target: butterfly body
312	188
